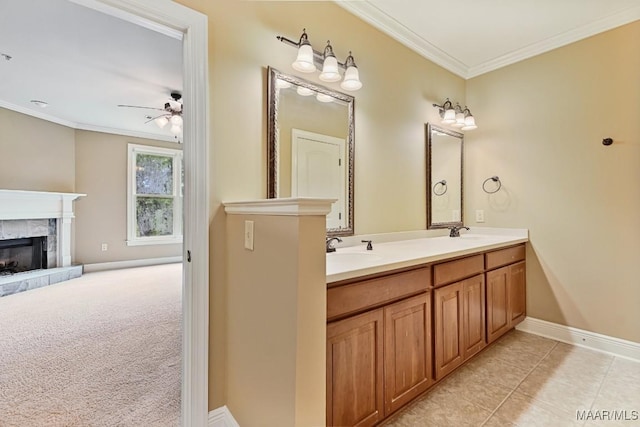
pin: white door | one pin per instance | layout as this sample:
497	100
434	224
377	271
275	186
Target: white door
318	170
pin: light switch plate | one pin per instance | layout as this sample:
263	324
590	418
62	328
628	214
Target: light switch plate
248	235
479	215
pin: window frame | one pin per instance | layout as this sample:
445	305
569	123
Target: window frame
132	239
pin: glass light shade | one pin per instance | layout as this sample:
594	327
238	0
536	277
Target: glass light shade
330	72
459	120
304	61
469	123
351	79
175	129
282	84
322	97
176	120
449	116
303	91
161	121
175	105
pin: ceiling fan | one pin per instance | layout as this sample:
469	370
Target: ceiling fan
171	113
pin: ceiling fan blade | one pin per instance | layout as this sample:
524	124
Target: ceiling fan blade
153	118
138	106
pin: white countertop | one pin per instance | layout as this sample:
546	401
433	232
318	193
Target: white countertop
355	261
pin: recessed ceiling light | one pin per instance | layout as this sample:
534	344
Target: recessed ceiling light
41	104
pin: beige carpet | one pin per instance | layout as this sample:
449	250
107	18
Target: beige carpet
100	350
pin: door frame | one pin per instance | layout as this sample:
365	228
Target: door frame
180	22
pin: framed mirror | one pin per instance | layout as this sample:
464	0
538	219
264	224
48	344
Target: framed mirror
444	177
310	145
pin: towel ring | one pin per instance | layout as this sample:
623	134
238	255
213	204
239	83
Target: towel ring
494	179
444	185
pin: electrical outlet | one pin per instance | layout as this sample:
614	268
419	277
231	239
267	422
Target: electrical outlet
104	247
248	235
479	215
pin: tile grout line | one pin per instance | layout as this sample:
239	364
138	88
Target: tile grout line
604	378
518	385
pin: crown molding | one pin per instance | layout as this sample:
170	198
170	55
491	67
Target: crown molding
607	23
83	126
388	25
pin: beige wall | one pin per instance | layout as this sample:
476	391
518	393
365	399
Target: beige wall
541	123
39	155
35	154
101	217
276	321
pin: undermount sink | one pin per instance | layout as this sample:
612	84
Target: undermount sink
353	257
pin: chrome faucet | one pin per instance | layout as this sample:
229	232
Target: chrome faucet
455	231
330	241
369	244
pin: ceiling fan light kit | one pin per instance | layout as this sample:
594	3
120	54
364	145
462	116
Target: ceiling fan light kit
172	113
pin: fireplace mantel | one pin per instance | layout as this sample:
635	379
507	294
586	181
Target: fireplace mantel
19	204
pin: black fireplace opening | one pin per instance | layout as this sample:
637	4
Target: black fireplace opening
19	255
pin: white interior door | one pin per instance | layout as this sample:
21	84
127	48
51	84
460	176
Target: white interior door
318	170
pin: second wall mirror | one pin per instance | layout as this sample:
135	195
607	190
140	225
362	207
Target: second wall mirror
444	177
310	146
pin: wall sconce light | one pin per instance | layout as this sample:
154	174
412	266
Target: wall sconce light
456	116
308	58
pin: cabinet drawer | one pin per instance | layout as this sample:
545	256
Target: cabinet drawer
452	271
359	296
502	257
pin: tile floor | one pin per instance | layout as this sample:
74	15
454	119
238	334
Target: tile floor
527	380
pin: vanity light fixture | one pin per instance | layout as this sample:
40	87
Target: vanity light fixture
308	60
456	116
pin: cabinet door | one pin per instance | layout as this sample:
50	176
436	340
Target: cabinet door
497	303
448	330
407	350
354	370
517	293
473	315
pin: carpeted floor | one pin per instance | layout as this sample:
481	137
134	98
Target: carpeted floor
100	350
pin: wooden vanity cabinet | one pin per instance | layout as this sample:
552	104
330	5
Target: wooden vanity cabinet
459	312
354	370
379	358
407	351
506	290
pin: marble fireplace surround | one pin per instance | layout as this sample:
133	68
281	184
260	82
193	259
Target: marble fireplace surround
33	213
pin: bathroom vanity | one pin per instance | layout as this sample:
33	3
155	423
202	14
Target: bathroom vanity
403	316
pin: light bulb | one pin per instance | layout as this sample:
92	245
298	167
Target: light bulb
469	123
459	120
322	97
175	129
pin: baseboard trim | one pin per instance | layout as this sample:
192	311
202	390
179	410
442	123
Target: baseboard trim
581	338
116	265
221	417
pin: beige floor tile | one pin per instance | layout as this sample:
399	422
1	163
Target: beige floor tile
486	394
619	392
577	361
526	411
625	368
569	393
517	340
488	369
441	409
496	421
600	418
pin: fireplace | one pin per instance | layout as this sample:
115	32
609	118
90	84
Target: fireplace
20	255
35	239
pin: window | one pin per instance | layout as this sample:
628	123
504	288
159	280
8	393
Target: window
154	195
